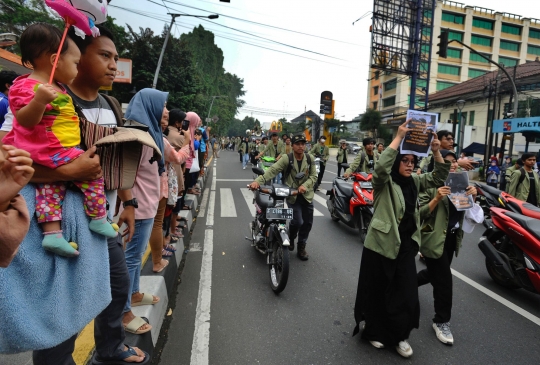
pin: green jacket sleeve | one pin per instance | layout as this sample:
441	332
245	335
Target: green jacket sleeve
326	154
383	167
310	182
436	178
424	198
514	181
354	165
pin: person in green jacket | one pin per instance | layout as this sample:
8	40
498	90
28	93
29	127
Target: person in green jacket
301	204
365	160
320	150
524	184
442	234
342	156
509	171
387	296
275	148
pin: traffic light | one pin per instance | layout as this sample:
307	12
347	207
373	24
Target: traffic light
443	45
326	103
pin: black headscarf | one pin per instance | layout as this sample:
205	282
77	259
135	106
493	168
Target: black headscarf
410	194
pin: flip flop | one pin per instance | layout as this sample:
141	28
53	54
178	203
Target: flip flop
170	248
164	265
148	299
165	253
135	324
122	357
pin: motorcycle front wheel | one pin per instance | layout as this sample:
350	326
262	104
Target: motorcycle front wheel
502	281
362	232
333	215
279	266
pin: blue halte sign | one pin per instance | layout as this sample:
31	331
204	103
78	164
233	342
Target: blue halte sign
516	125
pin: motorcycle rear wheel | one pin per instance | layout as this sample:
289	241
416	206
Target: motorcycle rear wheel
507	283
333	215
278	267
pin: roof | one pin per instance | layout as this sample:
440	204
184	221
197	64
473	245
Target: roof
302	117
526	73
12	62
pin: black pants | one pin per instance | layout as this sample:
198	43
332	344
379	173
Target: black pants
439	275
109	332
321	173
302	220
339	167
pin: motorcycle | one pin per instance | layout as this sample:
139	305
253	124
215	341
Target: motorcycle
269	231
488	197
352	203
317	162
511	244
265	162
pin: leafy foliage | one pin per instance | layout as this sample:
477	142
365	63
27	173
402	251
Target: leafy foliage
370	121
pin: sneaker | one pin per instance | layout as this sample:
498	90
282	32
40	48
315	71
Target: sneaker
377	344
404	349
244	167
442	330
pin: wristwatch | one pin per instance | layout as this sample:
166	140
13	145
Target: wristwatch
131	203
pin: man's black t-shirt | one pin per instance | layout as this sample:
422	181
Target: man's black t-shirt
371	163
532	190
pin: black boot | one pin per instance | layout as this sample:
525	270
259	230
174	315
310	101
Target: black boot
301	253
291	241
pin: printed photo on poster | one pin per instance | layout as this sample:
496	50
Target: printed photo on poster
458	183
418	140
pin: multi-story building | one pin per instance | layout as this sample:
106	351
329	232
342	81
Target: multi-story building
503	37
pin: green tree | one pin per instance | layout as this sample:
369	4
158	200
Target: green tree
370	121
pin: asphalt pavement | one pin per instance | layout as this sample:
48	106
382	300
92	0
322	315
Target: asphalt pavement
226	312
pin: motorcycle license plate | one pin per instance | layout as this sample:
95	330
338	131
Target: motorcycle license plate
366	185
279	213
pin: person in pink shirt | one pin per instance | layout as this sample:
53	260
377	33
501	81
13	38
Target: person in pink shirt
47	126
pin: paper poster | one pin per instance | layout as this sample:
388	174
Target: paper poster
418	140
458	182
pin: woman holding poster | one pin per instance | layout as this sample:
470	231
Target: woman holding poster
387	296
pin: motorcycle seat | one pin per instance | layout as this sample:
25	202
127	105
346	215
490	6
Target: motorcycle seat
526	209
491	190
263	200
344	187
532	225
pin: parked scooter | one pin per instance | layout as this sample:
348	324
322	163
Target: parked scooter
352	202
269	231
511	245
489	197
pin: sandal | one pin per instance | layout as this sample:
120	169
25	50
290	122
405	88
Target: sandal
165	253
170	248
185	207
121	359
178	234
148	299
165	263
135	324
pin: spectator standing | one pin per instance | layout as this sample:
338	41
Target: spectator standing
380	148
6	80
507	163
320	150
243	149
493	173
342	156
524	183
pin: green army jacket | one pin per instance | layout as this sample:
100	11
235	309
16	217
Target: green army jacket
435	225
316	150
270	150
308	181
341	153
389	204
261	147
354	166
521	191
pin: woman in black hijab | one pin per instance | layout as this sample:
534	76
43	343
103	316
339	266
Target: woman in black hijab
387	296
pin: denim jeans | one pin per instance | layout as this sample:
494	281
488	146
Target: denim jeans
134	252
277	179
245	159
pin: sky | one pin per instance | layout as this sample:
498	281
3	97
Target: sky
292	69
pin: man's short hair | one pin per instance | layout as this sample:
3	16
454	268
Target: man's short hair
380	144
7	77
527	155
264	139
367	141
83	43
444	133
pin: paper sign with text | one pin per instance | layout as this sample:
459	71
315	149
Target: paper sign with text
458	183
418	140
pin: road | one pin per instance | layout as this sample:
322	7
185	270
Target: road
226	313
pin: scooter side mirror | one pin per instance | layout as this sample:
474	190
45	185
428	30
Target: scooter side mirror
300	175
345	165
257	170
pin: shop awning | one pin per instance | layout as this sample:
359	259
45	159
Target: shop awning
478	148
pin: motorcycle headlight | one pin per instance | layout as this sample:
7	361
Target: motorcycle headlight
282	191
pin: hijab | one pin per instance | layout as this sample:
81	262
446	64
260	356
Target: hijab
146	107
193	119
410	194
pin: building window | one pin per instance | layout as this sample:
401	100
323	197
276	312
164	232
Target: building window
377	74
424	67
454	53
428	14
482	23
376	90
417	101
426	31
475	73
390	85
471	117
481	41
533	50
477	58
508	62
511	29
534	33
510	46
375	104
453	18
420	83
449	70
441	85
455	35
425	48
389	101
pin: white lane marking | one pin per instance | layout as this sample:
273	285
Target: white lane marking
204	202
248	196
195	246
335	173
531	317
319	199
250	180
228	209
316	213
210	213
214	171
201	336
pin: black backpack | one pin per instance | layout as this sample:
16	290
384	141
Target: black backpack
291	163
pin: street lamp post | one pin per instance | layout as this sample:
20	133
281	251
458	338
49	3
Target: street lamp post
211	104
460	128
213	16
